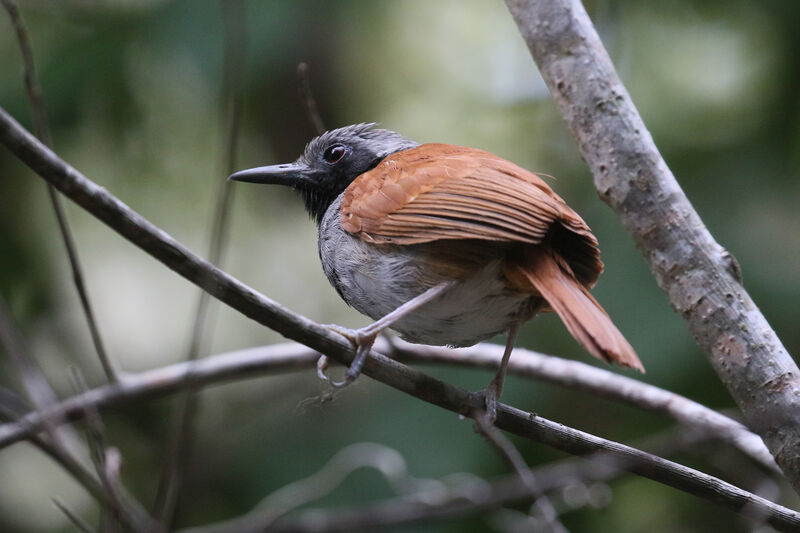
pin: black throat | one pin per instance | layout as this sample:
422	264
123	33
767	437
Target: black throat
319	197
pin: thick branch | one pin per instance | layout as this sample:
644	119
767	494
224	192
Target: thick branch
701	279
161	246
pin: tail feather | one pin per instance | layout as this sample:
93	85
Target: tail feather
585	319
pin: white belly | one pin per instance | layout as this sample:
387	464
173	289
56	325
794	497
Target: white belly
377	279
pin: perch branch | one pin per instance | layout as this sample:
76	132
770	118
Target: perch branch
599	381
699	276
290	357
277	358
269	313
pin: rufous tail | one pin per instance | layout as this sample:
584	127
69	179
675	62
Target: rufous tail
585	319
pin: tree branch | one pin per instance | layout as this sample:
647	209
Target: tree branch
265	311
291	357
700	278
581	376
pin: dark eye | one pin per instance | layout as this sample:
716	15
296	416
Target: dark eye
333	154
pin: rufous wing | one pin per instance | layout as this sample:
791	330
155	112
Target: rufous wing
443	192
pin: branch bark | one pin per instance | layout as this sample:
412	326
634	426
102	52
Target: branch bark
599	381
265	311
698	275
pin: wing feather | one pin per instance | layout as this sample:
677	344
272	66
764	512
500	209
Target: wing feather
444	192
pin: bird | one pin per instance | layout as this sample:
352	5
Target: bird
445	244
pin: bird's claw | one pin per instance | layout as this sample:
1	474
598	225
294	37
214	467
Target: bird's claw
362	340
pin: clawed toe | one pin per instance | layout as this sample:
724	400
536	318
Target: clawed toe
362	340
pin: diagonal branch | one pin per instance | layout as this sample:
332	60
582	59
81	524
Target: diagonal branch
599	381
701	279
265	311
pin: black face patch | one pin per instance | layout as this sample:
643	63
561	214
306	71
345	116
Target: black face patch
337	157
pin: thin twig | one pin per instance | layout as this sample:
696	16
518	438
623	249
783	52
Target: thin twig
509	452
386	461
304	83
42	130
701	279
13	407
94	438
73	518
37	389
180	447
249	302
451	497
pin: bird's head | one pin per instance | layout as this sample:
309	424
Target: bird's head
330	163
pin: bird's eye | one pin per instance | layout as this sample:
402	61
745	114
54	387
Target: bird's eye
333	154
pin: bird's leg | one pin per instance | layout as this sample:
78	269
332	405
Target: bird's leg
495	389
364	338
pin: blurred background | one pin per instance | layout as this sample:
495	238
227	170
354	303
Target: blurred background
133	91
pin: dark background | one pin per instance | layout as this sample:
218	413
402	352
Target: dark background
133	94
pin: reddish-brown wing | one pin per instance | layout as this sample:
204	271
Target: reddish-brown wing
442	191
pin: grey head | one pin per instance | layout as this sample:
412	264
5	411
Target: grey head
330	163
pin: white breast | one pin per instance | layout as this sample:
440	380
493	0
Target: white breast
377	279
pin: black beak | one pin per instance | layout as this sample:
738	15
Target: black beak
291	174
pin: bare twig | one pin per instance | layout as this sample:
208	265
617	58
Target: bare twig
180	449
700	277
249	302
12	407
42	130
509	452
386	461
73	518
37	389
97	451
457	495
304	83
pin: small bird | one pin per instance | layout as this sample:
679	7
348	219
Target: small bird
448	245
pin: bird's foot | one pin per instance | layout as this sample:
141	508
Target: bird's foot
491	397
362	340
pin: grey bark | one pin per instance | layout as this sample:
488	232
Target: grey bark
701	279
